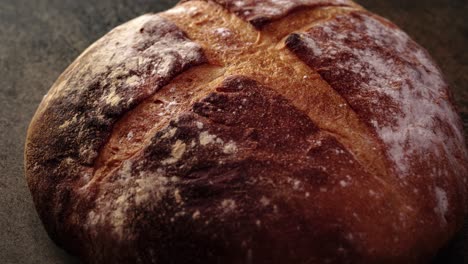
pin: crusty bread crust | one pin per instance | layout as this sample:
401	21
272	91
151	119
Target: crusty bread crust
260	13
76	117
250	132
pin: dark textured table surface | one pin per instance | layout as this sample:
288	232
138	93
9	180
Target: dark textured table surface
39	38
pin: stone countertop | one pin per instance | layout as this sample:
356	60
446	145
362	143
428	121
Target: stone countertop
40	38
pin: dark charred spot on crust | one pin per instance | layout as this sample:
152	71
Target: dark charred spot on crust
260	22
294	42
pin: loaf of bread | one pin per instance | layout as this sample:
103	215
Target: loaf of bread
250	131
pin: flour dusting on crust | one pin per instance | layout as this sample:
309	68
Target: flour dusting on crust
389	81
130	188
120	70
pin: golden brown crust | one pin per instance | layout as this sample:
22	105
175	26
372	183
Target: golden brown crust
75	119
260	13
263	153
248	52
131	132
363	56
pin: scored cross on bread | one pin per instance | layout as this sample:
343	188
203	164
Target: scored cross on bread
273	131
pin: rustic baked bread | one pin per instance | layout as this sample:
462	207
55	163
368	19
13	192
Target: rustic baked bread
254	131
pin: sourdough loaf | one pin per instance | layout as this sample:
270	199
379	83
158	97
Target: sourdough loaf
250	131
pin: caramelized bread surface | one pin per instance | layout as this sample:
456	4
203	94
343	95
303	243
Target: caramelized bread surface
230	131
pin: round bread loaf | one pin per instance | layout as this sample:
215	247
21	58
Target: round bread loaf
250	131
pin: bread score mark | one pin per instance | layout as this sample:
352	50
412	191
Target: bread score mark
256	54
136	128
